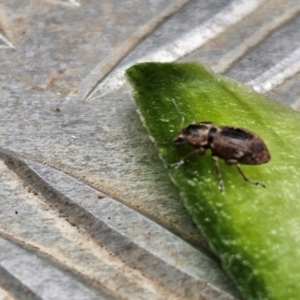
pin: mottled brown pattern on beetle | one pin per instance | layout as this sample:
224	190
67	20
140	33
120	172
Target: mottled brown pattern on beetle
239	144
234	145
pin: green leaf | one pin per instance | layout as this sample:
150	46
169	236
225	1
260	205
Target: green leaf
255	231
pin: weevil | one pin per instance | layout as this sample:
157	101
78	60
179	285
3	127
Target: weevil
232	144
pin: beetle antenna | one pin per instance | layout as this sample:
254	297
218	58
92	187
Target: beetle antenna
179	112
247	179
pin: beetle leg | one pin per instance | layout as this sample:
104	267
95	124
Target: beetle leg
200	151
247	179
221	183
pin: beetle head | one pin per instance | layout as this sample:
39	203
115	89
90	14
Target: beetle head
180	139
194	134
